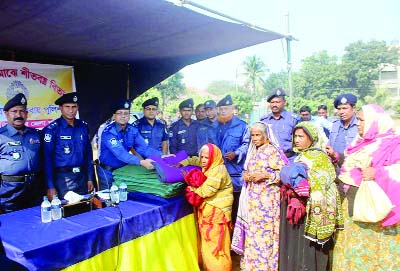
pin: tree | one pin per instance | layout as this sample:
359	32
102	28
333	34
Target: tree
319	77
171	88
274	81
137	102
254	70
361	61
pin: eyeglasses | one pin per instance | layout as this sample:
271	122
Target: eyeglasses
122	113
150	108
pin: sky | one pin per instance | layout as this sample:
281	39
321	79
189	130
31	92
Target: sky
317	24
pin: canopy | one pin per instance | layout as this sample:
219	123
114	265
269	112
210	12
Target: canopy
118	48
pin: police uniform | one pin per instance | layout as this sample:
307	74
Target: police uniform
341	137
155	134
183	137
20	164
68	153
233	136
283	126
115	146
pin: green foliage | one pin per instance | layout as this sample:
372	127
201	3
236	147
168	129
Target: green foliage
137	102
274	81
241	100
170	89
360	64
255	69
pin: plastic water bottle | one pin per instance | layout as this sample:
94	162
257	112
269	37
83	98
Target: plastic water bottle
123	192
56	208
114	193
45	210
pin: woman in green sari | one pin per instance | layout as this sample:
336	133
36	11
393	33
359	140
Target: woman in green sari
310	210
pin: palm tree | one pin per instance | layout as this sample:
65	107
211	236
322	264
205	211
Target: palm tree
254	70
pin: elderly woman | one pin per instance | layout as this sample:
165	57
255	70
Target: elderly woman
256	233
310	209
214	212
373	156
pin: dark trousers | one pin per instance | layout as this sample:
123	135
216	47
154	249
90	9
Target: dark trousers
69	181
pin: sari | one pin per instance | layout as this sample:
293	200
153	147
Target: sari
306	245
214	213
371	246
256	233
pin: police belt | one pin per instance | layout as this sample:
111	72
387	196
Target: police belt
69	169
18	178
105	166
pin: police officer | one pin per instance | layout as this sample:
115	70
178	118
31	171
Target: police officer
344	130
117	141
207	130
152	129
183	133
233	138
20	159
211	112
68	152
200	113
282	122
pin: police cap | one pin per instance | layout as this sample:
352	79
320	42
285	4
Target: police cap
279	92
18	99
71	97
186	104
227	100
122	104
152	101
346	98
210	104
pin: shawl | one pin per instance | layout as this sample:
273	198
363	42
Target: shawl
379	148
323	210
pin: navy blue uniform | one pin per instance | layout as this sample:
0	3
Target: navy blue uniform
20	164
152	135
207	133
341	137
115	146
68	156
283	129
183	137
234	136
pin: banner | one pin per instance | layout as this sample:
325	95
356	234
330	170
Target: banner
42	84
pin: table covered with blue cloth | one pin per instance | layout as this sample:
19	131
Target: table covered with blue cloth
144	233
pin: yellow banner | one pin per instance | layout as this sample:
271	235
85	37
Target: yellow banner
42	84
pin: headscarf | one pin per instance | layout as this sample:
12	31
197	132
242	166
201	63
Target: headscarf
324	211
313	133
214	157
379	148
269	136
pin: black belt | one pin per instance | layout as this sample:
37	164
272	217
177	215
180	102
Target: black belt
21	178
105	166
69	169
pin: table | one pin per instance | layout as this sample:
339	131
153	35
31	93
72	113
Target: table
144	233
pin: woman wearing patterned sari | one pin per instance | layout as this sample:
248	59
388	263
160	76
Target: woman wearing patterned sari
256	233
310	209
373	156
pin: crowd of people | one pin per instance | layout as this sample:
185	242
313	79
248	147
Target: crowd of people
279	193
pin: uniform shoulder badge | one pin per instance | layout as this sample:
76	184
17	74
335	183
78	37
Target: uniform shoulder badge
113	141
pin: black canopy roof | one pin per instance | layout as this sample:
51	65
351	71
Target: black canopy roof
119	48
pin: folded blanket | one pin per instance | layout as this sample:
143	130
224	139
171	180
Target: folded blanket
140	179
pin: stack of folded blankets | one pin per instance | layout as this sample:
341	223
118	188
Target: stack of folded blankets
166	181
140	179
